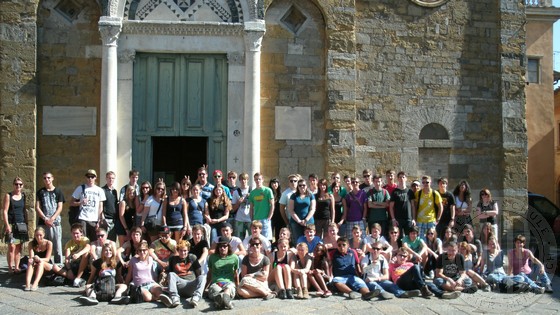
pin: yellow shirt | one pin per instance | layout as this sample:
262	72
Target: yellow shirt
76	246
426	211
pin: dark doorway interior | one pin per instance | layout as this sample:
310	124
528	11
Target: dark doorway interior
175	157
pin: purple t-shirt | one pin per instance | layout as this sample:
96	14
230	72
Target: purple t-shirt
355	203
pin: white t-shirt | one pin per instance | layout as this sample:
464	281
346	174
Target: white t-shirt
95	196
369	240
285	199
375	270
242	214
153	205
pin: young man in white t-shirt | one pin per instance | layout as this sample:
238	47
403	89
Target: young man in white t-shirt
90	200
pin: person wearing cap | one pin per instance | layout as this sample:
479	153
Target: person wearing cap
401	211
223	276
185	277
218	177
163	248
90	200
415	186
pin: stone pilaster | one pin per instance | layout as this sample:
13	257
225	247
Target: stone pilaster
110	28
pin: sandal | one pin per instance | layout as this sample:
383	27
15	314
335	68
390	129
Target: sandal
320	293
327	294
34	288
27	288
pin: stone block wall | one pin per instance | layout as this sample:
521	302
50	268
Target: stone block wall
18	84
69	74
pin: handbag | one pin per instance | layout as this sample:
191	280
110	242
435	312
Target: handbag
21	228
150	222
135	294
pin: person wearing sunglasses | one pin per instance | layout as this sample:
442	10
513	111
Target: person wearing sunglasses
345	266
451	275
14	214
400	208
223	273
376	276
487	210
152	216
202	180
255	269
140	274
89	197
353	205
285	198
261	200
219	180
428	206
241	207
302	209
96	246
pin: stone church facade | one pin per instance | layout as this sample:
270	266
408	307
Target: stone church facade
277	86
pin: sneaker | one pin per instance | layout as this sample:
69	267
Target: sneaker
384	295
166	300
426	293
219	301
194	301
79	282
227	302
450	295
175	301
470	290
410	294
87	300
371	294
538	290
305	293
430	275
121	300
548	288
289	294
354	295
27	289
299	293
282	294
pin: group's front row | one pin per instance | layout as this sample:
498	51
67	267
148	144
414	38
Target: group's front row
251	269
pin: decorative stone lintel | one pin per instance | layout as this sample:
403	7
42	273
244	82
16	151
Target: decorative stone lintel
110	28
183	28
236	58
127	55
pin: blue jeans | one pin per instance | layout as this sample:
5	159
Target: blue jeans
267	229
352	282
495	277
543	278
390	287
439	282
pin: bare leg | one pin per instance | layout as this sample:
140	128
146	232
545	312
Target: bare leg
29	275
84	261
10	256
287	271
38	274
17	256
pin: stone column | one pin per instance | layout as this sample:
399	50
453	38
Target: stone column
109	27
254	32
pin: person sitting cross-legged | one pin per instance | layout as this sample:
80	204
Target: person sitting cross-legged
185	277
345	265
223	276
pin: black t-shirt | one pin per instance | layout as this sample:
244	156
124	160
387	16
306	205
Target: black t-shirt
49	202
198	248
110	205
451	268
184	268
447	201
402	199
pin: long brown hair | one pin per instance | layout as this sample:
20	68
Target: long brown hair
215	201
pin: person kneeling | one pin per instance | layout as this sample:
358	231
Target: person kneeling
101	285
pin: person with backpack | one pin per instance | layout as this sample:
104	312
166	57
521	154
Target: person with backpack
101	285
241	207
428	206
89	198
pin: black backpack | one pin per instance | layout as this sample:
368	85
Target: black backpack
105	288
74	212
511	286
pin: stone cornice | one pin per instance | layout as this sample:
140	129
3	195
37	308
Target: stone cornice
182	28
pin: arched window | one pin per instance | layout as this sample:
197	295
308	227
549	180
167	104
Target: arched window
434	131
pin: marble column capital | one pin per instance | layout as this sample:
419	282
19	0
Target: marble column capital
110	28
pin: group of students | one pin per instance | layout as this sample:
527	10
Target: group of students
218	237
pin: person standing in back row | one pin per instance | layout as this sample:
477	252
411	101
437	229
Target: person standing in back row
110	205
262	205
428	205
48	208
90	200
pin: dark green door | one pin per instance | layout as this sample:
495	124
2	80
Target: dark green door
182	96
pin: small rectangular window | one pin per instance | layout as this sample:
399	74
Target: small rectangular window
533	70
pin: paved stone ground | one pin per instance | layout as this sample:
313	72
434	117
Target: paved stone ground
63	300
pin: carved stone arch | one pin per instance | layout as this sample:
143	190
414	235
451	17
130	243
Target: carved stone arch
434	131
415	119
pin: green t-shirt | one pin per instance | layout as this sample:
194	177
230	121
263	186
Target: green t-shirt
377	214
223	269
260	199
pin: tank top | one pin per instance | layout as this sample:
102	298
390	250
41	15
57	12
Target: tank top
142	271
520	264
486	208
277	262
323	209
174	214
195	211
16	210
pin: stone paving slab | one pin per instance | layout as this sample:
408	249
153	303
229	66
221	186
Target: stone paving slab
64	300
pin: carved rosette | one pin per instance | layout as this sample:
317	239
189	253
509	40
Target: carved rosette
110	28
